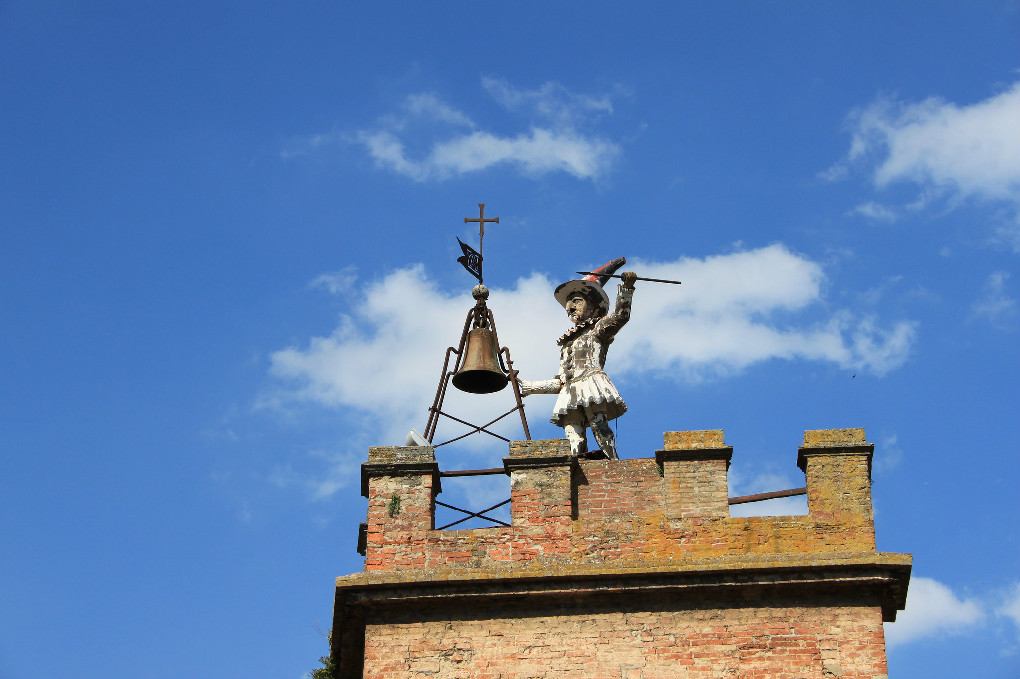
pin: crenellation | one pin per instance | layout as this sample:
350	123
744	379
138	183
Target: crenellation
601	510
837	466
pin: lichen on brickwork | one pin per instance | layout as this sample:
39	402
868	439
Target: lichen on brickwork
633	511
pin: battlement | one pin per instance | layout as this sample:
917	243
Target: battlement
617	514
649	530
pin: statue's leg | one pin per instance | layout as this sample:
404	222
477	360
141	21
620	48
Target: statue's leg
604	435
577	437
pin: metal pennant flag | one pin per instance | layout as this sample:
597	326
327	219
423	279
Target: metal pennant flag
470	260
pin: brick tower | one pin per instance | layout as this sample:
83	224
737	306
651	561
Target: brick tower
631	568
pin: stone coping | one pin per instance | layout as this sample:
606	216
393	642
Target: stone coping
825	438
701	454
539	448
558	569
691	440
373	469
804	452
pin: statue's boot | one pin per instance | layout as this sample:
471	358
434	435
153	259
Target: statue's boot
577	438
604	436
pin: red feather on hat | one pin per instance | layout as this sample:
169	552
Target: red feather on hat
602	274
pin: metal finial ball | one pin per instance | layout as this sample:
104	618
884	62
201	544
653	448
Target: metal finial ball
480	292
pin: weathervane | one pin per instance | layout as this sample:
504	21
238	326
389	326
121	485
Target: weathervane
472	261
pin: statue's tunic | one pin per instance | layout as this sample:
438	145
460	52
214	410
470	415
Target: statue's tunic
586	389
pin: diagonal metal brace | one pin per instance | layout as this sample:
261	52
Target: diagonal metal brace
471	515
475	428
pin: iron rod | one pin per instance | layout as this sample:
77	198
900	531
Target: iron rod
758	497
473	472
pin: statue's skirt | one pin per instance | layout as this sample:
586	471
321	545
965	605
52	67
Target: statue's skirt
582	397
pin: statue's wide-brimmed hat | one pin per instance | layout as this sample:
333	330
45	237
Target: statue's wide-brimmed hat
591	286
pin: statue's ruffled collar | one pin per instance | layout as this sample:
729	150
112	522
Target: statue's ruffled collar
576	331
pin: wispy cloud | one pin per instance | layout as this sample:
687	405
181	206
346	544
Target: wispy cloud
1009	606
428	139
336	282
335	470
993	303
876	211
429	106
889	455
303	146
551	103
947	150
533	153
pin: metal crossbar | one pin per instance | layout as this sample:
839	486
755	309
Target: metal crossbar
758	497
476	428
471	515
474	472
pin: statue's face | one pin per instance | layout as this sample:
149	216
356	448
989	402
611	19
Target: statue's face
578	308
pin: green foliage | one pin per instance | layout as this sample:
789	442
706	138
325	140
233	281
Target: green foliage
394	505
329	669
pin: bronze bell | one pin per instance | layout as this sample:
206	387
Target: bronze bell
479	371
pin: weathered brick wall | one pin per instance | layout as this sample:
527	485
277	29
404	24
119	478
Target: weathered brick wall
651	642
629	568
622	489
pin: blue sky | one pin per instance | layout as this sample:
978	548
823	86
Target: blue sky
227	267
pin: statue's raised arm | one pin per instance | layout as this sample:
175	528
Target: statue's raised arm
587	397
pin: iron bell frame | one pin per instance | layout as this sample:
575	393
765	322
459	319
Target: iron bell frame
478	318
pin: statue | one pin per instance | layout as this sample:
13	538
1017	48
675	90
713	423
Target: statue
587	397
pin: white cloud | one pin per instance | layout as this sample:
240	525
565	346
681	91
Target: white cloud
1009	607
383	360
932	610
746	311
876	211
336	282
336	470
428	105
945	149
993	303
311	143
537	152
889	454
551	102
430	140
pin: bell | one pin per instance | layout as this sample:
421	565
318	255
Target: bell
479	371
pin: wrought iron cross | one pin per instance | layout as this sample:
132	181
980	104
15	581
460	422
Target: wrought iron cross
481	233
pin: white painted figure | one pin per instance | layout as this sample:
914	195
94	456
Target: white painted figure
587	397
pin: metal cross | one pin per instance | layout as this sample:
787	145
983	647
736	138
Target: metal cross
481	233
